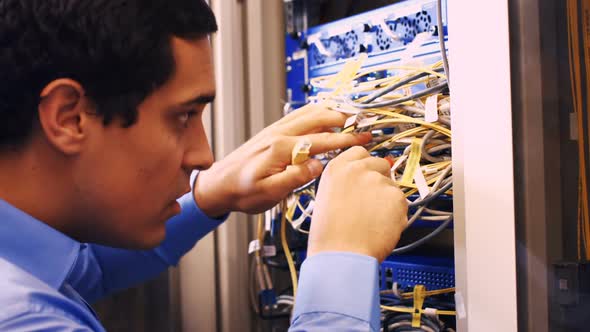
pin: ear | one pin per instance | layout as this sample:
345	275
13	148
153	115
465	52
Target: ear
62	115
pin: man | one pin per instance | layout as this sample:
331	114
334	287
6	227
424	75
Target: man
100	129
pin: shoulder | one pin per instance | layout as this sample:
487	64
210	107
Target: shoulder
29	304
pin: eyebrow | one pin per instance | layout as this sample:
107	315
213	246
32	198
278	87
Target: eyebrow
200	100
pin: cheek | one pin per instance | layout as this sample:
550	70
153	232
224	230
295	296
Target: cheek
148	169
127	182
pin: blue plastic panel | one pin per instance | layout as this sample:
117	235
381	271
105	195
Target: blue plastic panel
385	34
408	271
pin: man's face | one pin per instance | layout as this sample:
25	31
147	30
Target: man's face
128	179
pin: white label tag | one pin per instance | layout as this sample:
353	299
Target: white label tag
269	251
253	246
460	306
368	121
350	121
431	109
406	140
267	220
420	181
430	312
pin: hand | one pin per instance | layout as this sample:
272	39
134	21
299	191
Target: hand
258	175
358	207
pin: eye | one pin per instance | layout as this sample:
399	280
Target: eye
184	117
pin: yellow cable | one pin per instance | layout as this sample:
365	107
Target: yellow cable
408	133
574	57
260	228
410	295
291	211
586	39
413	186
441	129
411	310
409	68
262	281
286	249
397	137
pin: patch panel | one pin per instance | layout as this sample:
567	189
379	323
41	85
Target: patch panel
403	32
408	271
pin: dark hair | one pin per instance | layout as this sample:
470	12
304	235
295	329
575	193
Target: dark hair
119	50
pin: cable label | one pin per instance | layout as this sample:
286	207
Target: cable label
460	306
253	246
368	121
431	111
269	251
420	181
413	161
350	121
267	219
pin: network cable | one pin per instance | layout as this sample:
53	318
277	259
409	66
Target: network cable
583	216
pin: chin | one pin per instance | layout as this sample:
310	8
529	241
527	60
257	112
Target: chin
152	241
143	240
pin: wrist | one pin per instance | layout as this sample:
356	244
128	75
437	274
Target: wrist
347	248
209	196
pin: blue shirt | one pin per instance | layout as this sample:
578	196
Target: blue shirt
47	279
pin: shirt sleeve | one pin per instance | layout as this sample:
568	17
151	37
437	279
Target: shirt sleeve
44	319
337	292
101	270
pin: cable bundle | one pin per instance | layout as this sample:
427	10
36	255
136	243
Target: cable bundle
419	310
573	25
407	110
397	104
401	322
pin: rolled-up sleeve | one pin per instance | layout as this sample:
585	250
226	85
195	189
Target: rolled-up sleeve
337	292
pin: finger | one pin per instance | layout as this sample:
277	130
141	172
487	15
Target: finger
376	164
293	177
302	111
324	142
352	154
313	120
281	126
281	147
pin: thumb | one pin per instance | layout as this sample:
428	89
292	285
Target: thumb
293	177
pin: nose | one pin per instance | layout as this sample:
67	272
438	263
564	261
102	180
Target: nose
198	154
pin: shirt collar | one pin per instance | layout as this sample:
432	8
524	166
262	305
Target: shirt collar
35	247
